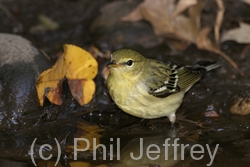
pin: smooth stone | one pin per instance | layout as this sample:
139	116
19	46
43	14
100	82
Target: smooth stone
20	65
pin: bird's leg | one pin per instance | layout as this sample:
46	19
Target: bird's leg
172	118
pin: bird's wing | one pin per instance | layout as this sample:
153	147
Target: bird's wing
171	78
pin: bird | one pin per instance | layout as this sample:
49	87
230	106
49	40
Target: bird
148	88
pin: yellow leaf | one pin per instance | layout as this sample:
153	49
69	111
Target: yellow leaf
79	67
79	91
47	87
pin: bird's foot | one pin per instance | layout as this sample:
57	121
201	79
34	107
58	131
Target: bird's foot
172	119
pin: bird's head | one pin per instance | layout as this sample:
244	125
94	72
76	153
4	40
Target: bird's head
126	62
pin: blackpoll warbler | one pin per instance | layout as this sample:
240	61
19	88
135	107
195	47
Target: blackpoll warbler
148	88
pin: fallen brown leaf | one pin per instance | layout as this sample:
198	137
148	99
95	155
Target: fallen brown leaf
203	42
134	16
168	21
247	1
95	52
218	21
238	34
241	103
182	6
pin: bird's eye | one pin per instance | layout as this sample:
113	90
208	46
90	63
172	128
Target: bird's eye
129	63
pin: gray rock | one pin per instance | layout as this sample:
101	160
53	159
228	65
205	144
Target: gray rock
116	33
20	65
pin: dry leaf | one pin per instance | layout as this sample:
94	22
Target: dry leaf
134	16
239	35
241	104
163	15
168	22
219	20
79	67
105	72
94	51
247	1
182	6
203	42
81	89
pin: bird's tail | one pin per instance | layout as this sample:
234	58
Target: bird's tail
208	65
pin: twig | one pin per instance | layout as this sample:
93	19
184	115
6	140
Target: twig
235	66
9	15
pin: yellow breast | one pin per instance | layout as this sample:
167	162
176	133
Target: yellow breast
135	100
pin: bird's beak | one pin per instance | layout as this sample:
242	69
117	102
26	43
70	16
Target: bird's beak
113	64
